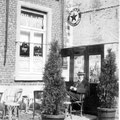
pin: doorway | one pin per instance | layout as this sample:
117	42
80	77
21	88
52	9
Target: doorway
87	59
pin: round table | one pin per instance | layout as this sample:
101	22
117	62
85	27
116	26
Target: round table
13	110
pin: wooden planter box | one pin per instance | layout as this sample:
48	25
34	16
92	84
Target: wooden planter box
106	114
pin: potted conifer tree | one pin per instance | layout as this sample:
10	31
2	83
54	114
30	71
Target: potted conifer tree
108	88
54	92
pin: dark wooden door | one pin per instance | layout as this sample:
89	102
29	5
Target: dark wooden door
94	56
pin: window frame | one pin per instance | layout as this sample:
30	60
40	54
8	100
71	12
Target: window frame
47	37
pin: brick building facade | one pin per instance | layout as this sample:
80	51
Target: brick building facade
26	23
85	44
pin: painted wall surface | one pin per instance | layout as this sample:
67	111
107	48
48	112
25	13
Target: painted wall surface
99	22
27	90
7	72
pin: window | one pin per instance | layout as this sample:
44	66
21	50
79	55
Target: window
94	68
78	66
31	44
65	68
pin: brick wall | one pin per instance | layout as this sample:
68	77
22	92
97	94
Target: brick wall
7	72
2	36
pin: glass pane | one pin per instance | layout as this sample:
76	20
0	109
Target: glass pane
78	66
65	68
24	44
38	46
38	38
24	64
94	68
24	36
65	63
37	64
37	53
30	19
37	50
24	49
24	52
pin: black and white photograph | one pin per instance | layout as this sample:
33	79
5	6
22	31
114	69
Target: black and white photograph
59	59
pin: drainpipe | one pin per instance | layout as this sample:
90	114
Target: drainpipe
62	11
6	31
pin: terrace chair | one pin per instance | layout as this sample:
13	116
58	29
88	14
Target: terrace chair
18	94
10	96
80	102
76	102
38	96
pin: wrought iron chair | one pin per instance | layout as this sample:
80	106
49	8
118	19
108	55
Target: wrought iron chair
10	102
79	102
38	96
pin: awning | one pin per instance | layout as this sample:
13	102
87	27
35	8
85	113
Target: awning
70	51
96	49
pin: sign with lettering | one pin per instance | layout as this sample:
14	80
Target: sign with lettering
24	50
74	17
37	51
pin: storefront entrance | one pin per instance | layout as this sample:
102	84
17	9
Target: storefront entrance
87	59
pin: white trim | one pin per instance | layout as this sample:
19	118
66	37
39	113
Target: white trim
25	10
48	17
17	37
34	6
30	28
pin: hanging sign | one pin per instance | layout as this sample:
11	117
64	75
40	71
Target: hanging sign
37	51
24	50
74	17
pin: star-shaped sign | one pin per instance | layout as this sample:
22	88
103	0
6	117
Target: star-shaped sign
73	17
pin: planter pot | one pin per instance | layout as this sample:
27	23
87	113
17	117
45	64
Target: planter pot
52	117
106	113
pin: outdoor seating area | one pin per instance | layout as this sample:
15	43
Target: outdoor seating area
59	60
9	105
29	116
15	109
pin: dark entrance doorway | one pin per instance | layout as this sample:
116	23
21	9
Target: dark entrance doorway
87	59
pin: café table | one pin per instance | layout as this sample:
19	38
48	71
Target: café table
13	110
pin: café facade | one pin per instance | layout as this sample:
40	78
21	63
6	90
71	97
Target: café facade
84	29
91	28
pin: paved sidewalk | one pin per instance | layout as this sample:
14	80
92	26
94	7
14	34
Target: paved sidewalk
29	116
75	117
84	117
